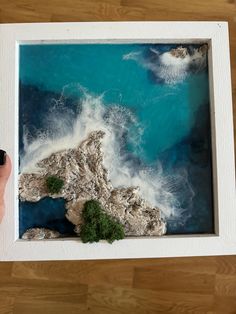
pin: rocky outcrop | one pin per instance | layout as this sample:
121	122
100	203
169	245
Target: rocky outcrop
182	52
85	178
203	49
179	52
40	234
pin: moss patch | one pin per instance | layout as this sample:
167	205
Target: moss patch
98	225
54	184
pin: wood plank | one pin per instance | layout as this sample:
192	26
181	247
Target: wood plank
226	265
84	272
225	286
5	269
225	305
188	264
184	6
6	305
42	290
32	306
174	280
123	300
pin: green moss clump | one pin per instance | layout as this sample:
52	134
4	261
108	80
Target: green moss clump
98	225
54	184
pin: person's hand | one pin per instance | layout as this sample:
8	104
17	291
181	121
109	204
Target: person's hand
5	170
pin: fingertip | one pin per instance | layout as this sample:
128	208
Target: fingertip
2	157
5	169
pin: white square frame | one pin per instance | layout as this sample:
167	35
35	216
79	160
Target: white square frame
223	242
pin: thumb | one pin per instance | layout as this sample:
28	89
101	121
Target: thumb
5	170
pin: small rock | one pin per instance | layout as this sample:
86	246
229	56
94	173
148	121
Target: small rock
203	49
40	234
179	52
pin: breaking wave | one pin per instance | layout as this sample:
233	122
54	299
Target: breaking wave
122	148
167	68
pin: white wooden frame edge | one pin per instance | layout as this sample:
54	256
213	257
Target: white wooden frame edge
216	34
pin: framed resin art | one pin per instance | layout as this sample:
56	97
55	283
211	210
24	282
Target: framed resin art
121	137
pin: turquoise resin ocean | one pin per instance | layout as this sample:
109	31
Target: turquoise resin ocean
169	115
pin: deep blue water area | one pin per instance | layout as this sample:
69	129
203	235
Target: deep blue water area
174	118
194	155
48	212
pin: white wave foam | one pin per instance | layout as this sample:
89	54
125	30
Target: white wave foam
133	55
168	68
156	187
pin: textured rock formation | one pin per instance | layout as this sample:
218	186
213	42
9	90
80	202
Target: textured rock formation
203	49
179	52
182	52
40	234
85	178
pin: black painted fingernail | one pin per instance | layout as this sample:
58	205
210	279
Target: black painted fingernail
2	157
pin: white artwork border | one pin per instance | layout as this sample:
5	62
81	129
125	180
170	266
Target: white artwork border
223	242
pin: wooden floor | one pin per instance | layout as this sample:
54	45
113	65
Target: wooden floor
183	285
